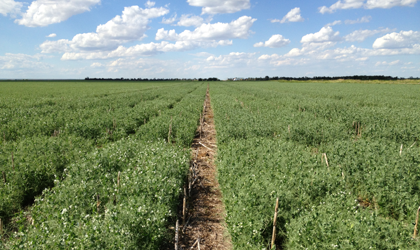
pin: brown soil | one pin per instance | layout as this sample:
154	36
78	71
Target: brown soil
204	220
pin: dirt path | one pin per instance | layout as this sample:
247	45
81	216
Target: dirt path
204	220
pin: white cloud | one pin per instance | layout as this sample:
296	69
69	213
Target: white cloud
404	39
337	22
386	4
144	49
367	4
292	16
130	26
22	61
275	41
364	19
361	35
345	4
220	6
385	63
149	4
52	35
46	12
10	7
239	28
96	65
170	20
190	20
326	34
233	59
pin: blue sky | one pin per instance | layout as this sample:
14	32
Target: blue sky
208	38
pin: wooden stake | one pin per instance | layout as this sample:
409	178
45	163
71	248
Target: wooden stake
273	238
176	235
97	203
184	206
170	131
118	180
13	162
417	223
401	149
324	155
4	177
201	126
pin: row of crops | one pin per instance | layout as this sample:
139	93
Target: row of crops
92	168
343	159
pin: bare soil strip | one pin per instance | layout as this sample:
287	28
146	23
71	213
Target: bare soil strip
204	220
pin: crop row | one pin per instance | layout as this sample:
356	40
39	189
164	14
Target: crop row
41	161
336	188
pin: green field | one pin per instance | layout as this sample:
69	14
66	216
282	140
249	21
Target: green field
272	137
88	165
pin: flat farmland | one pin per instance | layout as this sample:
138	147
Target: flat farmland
102	165
343	159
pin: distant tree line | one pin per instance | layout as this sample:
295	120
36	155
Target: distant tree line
153	79
323	78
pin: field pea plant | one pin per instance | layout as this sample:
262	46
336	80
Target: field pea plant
343	159
89	165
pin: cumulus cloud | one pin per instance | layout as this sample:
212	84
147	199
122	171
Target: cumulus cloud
144	49
385	63
190	20
22	61
404	39
130	26
361	35
170	20
346	4
239	28
149	4
364	19
275	41
367	4
46	12
292	16
10	7
337	22
52	35
220	6
386	4
232	60
326	34
96	65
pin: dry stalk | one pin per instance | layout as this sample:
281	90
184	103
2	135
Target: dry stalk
205	146
184	206
195	243
1	227
401	149
118	180
4	177
98	203
273	238
417	223
176	235
324	155
170	131
413	144
13	162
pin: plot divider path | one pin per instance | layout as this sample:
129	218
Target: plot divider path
204	215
